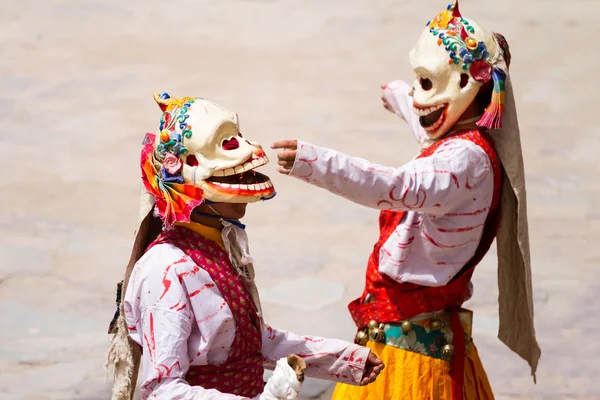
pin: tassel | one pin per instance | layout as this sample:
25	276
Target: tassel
492	117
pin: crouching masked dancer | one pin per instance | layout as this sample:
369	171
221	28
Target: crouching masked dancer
440	214
188	306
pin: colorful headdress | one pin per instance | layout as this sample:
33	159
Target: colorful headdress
197	156
456	35
162	168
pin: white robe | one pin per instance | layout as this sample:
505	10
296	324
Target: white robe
446	197
176	313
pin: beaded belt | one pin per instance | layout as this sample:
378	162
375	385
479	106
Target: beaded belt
430	336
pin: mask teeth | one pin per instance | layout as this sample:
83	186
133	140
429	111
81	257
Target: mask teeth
492	117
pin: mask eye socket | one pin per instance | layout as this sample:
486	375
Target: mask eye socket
191	160
464	79
230	144
426	84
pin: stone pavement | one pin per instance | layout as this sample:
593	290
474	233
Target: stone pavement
77	77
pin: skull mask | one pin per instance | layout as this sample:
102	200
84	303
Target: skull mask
452	62
198	155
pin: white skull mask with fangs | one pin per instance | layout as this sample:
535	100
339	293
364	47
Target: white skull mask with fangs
452	59
199	154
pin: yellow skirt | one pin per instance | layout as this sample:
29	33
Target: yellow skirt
412	376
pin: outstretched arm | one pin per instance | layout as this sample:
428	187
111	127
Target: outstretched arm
330	359
432	185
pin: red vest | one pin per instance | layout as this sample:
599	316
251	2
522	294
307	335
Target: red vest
242	373
392	301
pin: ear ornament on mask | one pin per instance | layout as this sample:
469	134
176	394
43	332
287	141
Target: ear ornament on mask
163	100
492	117
174	198
454	33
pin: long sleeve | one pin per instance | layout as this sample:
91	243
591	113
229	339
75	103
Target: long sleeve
176	313
165	359
397	95
161	318
431	185
330	359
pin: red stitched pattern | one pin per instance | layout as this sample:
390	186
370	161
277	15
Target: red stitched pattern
242	373
393	301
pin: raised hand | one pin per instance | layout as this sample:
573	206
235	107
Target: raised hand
287	156
386	103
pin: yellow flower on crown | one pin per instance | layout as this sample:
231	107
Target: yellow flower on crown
177	103
441	20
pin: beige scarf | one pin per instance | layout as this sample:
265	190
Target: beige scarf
124	354
236	245
514	266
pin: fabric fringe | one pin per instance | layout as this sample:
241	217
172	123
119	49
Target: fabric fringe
236	245
121	357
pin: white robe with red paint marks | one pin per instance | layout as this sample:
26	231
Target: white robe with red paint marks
176	313
446	197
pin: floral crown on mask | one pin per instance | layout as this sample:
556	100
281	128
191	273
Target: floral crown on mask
162	167
453	32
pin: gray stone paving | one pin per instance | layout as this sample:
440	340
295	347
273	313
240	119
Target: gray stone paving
76	78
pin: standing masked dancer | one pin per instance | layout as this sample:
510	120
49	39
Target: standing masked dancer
188	306
440	213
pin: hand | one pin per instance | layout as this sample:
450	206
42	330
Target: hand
286	157
372	369
384	99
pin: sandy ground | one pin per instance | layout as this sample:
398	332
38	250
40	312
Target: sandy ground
76	83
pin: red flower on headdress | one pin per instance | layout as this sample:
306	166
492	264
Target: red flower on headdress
481	71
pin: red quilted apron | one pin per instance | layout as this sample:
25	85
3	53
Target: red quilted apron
391	301
242	373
